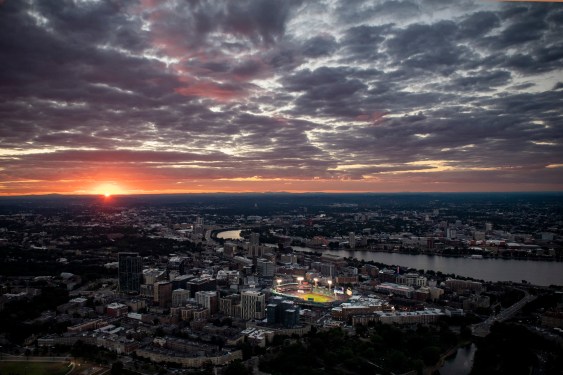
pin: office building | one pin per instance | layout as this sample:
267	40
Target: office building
253	305
130	268
207	299
163	293
352	240
265	268
180	297
283	312
228	305
201	284
255	238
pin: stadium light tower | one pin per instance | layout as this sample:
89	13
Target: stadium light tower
300	279
329	284
316	281
279	282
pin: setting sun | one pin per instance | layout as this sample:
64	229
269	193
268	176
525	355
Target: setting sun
108	189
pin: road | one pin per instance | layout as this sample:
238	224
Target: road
22	358
484	328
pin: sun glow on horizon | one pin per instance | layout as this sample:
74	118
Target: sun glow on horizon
108	189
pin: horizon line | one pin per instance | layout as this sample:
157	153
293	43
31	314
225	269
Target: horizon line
279	192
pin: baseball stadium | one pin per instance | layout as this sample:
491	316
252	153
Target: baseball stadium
309	294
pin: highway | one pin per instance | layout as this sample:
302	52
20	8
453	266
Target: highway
484	328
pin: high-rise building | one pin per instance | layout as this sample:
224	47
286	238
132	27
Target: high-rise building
207	299
253	248
253	305
130	267
328	269
180	297
201	284
265	268
255	238
151	276
181	281
352	240
163	293
227	305
283	312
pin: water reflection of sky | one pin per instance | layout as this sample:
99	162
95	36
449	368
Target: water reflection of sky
460	363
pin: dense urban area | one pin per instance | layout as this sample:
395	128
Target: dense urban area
262	284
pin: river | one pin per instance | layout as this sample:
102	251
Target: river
488	269
230	235
460	363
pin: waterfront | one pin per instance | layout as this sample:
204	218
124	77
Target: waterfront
461	362
230	235
488	269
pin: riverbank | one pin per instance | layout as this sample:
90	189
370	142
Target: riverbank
441	254
493	269
438	367
234	234
489	269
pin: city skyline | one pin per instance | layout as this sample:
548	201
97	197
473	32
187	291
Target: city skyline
156	97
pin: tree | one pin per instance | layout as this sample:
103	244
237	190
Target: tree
430	355
207	367
117	368
361	330
237	368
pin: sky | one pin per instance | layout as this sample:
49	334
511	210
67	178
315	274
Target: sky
126	97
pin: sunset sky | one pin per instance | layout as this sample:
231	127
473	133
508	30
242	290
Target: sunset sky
180	96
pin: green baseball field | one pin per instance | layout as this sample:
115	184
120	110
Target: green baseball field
314	297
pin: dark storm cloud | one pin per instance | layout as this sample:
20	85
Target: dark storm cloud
364	42
266	19
478	24
434	48
282	89
321	45
481	82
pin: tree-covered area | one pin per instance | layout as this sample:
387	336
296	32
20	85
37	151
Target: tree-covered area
34	262
14	315
148	246
513	349
382	348
92	353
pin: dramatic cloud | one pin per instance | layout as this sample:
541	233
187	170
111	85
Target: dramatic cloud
272	95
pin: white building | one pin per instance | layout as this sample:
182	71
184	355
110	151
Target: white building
412	279
352	240
253	305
